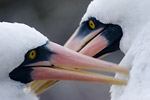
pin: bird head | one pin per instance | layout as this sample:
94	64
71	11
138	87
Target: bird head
109	25
16	40
27	55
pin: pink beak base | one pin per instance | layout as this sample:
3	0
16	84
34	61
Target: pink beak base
64	57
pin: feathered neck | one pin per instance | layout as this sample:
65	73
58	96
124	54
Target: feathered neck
137	60
11	90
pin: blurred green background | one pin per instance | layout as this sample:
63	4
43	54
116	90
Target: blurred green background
57	19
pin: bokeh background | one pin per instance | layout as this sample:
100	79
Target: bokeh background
57	19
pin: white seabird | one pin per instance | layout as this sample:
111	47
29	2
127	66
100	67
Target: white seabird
27	55
95	37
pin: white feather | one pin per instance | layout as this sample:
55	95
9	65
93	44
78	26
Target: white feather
15	40
11	90
134	18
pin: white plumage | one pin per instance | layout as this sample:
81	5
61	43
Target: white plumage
26	55
137	59
15	40
134	18
11	90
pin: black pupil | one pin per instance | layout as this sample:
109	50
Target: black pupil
32	53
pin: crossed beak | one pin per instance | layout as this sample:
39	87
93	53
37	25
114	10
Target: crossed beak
68	65
65	64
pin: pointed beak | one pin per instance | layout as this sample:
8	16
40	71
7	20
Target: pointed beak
88	45
62	63
96	41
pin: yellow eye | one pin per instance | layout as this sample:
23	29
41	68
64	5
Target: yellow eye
32	54
91	24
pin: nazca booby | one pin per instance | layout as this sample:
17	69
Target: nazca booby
27	55
96	39
110	25
88	30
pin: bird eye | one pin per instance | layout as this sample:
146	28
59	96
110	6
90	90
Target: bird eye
91	24
32	54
